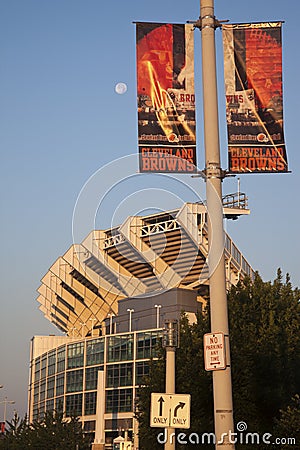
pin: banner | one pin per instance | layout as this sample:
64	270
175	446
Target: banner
166	97
254	106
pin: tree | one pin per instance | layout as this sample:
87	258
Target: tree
265	349
265	358
288	425
52	432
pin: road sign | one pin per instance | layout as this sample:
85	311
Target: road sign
214	351
170	410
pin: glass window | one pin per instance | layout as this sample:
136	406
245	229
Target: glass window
74	405
44	367
89	425
41	410
51	362
43	390
95	352
146	344
59	404
37	368
36	393
75	381
141	369
75	355
60	384
119	375
120	348
90	399
91	377
61	358
50	387
35	412
119	400
50	405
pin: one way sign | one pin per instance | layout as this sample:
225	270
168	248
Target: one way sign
170	410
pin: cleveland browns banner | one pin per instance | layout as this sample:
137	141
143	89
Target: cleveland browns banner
166	97
253	87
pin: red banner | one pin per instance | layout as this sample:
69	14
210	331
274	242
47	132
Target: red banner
166	97
254	105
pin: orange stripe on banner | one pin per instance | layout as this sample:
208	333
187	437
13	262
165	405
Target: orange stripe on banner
155	56
264	63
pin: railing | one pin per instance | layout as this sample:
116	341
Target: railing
236	200
232	251
237	258
161	227
113	240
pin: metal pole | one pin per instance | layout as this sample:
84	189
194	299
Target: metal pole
83	324
223	409
170	389
93	320
170	342
130	318
157	314
111	316
5	401
4	418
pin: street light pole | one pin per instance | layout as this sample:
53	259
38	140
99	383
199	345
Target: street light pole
5	401
130	317
223	408
111	316
83	324
157	314
73	331
93	320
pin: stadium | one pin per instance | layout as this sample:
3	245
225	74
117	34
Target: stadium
110	297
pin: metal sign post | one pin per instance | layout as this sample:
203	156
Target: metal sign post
170	342
223	409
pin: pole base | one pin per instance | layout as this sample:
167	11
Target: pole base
98	446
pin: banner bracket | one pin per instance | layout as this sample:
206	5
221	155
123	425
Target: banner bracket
214	171
198	24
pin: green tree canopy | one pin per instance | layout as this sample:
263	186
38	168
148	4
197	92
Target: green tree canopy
50	433
265	358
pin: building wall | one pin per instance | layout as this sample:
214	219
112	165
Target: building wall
144	309
65	378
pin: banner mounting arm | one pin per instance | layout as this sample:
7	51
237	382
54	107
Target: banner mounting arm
198	23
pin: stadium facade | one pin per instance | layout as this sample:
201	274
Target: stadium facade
110	296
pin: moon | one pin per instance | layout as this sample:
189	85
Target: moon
121	88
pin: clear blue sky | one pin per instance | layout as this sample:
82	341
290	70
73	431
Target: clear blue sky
61	120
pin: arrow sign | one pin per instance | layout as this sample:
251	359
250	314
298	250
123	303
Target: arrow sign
160	401
170	410
180	405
